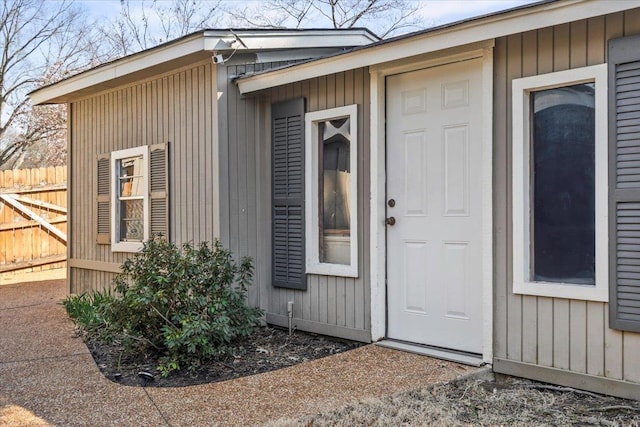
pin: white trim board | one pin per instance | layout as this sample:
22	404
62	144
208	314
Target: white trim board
312	193
490	27
377	177
117	245
521	189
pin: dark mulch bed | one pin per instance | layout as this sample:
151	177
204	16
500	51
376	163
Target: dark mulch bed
267	349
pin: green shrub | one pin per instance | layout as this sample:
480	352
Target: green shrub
188	304
90	311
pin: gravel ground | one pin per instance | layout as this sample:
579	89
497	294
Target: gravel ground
47	375
486	402
506	402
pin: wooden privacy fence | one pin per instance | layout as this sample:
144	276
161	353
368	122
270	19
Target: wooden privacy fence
33	218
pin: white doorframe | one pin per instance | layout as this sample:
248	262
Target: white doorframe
378	180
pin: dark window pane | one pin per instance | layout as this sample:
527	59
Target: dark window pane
563	203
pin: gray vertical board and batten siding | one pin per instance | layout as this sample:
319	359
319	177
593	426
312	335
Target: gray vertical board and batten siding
242	205
178	107
569	335
336	306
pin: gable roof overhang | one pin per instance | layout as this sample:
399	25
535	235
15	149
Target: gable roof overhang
524	18
192	48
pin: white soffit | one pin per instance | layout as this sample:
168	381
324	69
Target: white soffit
475	30
301	39
196	46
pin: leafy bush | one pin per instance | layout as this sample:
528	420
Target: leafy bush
91	312
187	304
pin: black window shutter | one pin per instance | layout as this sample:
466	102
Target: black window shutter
287	157
103	215
159	190
624	183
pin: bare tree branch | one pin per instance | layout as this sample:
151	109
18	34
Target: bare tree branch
385	17
37	41
42	42
144	24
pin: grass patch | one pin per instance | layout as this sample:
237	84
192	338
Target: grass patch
511	401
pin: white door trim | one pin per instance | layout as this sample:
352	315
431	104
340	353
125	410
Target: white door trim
378	181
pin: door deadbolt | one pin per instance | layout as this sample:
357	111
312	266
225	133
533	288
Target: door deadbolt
391	203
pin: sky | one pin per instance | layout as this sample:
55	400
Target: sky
434	12
446	11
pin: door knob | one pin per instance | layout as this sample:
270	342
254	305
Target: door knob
390	221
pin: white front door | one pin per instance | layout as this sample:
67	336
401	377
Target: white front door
434	193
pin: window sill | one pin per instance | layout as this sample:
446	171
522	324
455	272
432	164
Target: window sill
338	270
562	290
127	247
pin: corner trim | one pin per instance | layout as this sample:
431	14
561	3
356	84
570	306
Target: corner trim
618	388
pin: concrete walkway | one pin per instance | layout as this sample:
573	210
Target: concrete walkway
48	377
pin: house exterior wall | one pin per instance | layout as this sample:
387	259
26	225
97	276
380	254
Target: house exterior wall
179	108
338	306
242	226
540	332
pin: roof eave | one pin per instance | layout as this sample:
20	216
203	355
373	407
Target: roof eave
192	48
467	32
103	76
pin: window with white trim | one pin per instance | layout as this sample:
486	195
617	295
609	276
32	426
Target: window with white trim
130	199
560	184
331	191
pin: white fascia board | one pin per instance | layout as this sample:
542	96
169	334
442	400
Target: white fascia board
161	56
491	27
101	76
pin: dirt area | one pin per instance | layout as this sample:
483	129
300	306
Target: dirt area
267	349
506	402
